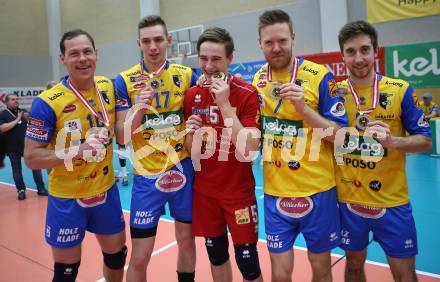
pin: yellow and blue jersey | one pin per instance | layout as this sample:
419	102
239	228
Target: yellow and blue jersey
58	110
293	165
153	146
428	109
368	181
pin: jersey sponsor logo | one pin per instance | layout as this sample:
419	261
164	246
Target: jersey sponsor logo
262	84
310	70
359	163
276	163
242	216
293	165
160	134
358	145
338	109
102	81
94	201
164	120
133	73
366	211
394	83
295	207
280	127
69	109
37	123
121	102
170	181
138	86
197	111
384	102
66	235
73	125
37	133
56	95
178	94
375	185
274	242
357	183
384	117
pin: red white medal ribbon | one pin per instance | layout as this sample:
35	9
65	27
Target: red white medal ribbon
295	67
154	73
294	71
86	103
374	98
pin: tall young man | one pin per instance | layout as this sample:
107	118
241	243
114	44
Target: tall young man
70	131
371	198
221	111
297	111
150	114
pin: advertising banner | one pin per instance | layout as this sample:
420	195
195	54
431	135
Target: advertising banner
392	10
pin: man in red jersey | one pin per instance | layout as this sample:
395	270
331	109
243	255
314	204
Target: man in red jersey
222	114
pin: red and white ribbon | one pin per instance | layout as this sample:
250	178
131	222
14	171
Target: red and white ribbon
374	98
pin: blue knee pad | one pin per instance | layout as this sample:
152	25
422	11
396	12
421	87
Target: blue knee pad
246	256
115	261
217	248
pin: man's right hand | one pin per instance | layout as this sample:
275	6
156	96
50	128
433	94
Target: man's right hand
193	123
145	97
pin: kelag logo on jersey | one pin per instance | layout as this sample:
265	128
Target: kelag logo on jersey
280	127
357	145
163	120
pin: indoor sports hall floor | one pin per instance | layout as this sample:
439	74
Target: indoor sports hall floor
24	255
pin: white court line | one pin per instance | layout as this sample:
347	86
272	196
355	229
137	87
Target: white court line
263	241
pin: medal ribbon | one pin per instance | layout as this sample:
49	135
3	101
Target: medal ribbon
295	67
374	98
86	103
154	73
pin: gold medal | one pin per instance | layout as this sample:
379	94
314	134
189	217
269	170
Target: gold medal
362	121
218	75
275	91
155	83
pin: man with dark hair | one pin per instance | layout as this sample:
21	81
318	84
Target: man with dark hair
70	131
13	123
150	115
370	198
298	109
223	107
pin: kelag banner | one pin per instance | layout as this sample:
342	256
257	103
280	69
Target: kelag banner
392	10
416	63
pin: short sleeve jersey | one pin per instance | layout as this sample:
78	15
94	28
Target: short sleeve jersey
57	117
295	163
378	182
159	144
223	175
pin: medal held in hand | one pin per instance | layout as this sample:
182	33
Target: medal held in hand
362	118
155	83
275	91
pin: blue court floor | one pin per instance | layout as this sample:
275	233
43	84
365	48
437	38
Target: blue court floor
424	187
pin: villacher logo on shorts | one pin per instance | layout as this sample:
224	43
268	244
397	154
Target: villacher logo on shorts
295	207
92	201
170	181
366	211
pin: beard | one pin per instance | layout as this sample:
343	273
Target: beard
361	73
280	63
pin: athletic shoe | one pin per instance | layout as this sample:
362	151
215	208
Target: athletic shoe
21	194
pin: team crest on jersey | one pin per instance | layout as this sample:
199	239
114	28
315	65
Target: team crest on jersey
176	80
73	125
384	102
170	181
332	87
366	211
242	216
295	207
104	96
